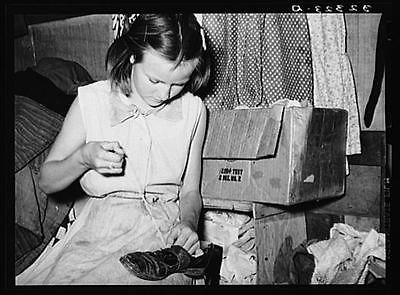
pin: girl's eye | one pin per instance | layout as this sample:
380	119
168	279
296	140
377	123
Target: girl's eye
154	81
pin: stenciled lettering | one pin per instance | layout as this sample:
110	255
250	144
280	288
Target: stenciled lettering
230	174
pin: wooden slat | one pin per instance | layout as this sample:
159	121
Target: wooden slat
241	121
241	206
362	196
363	223
213	133
323	161
372	149
216	140
276	236
319	224
252	134
268	144
261	210
243	134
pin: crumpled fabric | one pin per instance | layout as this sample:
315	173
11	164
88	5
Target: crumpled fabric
235	233
67	75
344	258
302	264
224	228
222	217
239	266
292	103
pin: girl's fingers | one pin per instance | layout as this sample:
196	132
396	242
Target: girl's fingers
109	145
187	240
114	165
172	237
116	155
191	244
108	156
113	146
183	236
194	248
110	167
181	240
110	170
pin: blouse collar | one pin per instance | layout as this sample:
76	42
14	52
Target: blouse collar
121	110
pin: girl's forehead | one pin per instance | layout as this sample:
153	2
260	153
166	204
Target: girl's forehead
155	64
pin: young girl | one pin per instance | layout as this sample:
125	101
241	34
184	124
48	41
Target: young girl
135	142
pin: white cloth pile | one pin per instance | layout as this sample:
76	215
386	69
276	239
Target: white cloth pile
344	258
235	233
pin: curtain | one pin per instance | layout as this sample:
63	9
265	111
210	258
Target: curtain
333	77
258	59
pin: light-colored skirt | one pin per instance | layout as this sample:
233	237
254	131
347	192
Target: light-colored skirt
106	229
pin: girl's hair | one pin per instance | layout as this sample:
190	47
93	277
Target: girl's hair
177	37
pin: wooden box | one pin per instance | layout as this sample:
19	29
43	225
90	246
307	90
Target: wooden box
279	155
277	234
365	202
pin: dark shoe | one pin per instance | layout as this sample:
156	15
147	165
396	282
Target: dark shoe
206	266
157	265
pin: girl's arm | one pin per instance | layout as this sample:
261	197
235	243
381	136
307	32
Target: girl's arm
190	202
70	156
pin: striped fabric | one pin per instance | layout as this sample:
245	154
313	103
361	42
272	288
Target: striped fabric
35	129
25	241
33	232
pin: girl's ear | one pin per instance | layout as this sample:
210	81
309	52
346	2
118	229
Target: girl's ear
132	59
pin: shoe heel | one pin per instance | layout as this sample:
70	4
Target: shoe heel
211	273
206	266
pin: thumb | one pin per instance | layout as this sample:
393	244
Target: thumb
173	235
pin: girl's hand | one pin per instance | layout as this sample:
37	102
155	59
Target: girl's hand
103	156
184	235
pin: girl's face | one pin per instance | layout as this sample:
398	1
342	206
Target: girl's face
156	79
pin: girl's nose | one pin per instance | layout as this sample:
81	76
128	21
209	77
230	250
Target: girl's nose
165	92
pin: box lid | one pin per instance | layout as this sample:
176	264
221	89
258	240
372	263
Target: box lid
243	133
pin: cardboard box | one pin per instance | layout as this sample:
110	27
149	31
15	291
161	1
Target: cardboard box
279	155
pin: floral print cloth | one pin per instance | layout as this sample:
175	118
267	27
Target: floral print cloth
333	77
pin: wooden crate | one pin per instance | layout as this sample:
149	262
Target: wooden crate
278	233
279	155
364	198
279	230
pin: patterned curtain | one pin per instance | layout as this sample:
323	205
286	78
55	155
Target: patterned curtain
258	59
